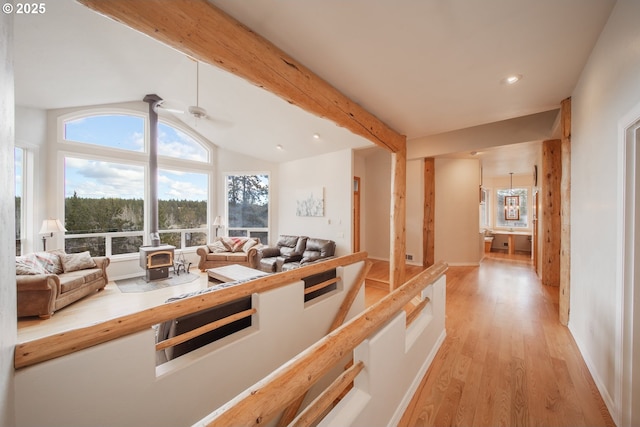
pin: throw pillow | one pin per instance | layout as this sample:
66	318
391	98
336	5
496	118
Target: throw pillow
28	265
217	247
50	261
234	244
248	245
75	262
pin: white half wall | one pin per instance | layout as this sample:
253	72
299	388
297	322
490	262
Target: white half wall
117	383
334	173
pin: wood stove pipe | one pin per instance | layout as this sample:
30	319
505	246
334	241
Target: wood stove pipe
153	101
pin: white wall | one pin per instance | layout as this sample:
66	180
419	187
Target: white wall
8	315
334	173
608	89
456	214
415	210
457	239
377	209
360	170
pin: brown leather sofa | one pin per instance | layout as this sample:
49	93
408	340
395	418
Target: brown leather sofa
229	250
48	281
293	252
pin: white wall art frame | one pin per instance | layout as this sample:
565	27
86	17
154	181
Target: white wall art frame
310	202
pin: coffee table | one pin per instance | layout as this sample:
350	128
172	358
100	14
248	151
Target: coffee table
233	272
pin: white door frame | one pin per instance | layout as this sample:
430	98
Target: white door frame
628	349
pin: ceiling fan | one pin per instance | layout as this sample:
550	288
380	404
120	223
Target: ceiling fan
195	111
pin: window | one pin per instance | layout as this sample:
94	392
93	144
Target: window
248	206
173	142
19	189
124	132
523	221
182	208
105	196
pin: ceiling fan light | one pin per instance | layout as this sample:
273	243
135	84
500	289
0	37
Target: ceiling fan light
197	112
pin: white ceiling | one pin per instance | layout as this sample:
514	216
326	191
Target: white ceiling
423	67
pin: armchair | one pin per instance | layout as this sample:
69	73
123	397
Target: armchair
287	249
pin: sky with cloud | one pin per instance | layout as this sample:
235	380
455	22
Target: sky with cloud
98	179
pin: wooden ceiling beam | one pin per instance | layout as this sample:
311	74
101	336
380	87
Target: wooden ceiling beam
201	30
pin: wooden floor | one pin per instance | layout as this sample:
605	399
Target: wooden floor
506	360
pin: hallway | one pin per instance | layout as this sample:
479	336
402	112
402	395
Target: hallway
506	360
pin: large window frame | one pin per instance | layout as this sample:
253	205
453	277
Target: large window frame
89	151
246	231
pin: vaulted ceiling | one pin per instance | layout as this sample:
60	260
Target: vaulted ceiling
423	67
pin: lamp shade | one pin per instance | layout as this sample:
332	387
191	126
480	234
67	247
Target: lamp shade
217	222
52	226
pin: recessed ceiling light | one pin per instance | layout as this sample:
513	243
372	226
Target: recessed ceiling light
474	153
512	79
279	147
316	136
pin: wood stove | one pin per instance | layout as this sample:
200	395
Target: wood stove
156	260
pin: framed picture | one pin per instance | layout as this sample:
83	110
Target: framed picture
310	202
512	208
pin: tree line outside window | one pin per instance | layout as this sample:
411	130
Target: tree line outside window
105	199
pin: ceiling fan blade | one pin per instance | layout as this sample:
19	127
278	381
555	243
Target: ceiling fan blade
161	106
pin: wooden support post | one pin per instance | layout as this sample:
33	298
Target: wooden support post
565	216
551	201
428	223
398	218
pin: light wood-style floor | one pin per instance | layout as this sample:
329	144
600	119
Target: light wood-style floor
506	360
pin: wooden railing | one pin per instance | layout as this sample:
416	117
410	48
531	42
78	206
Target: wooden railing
40	350
262	402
